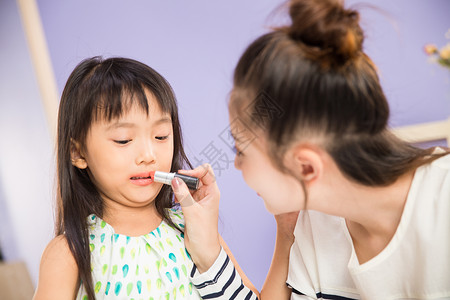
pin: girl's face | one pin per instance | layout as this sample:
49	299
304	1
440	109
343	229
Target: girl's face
281	193
121	153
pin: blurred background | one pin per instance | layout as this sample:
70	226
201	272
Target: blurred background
195	45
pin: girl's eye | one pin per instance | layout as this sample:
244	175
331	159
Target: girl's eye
122	142
162	138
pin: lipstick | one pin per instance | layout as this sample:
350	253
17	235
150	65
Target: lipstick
166	178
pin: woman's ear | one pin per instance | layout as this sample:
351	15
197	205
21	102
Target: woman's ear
76	155
306	162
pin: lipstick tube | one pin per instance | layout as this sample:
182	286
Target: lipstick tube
166	178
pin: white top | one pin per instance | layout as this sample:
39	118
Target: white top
152	266
414	265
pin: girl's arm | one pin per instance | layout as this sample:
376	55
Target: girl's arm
58	272
275	284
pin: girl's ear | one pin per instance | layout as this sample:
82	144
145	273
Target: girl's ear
76	155
306	162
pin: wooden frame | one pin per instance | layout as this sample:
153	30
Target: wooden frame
425	132
40	58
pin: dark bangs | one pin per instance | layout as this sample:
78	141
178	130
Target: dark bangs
113	86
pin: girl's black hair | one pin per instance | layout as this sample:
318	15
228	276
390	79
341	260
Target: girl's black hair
97	88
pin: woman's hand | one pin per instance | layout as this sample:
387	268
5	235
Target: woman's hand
201	214
285	225
275	284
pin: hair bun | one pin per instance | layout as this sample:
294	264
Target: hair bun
328	27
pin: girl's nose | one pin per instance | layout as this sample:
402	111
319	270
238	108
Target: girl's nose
146	154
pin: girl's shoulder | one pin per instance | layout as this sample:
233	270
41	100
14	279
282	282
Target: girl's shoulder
58	271
58	250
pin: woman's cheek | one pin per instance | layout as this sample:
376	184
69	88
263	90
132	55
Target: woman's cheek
247	178
285	194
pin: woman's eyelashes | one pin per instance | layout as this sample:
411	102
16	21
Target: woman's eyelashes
237	151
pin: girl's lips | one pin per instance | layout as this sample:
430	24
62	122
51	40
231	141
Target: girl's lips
142	179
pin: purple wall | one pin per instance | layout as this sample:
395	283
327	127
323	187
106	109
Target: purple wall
196	44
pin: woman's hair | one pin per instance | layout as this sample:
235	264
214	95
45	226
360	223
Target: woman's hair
312	80
103	89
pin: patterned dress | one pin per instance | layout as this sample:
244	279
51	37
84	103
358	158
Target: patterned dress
151	267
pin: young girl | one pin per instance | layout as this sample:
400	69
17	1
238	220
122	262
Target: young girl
374	219
118	235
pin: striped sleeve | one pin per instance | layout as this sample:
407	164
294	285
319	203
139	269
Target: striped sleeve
221	281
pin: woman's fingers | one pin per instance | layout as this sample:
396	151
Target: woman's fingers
182	194
201	217
204	172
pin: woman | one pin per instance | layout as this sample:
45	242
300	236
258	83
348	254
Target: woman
372	207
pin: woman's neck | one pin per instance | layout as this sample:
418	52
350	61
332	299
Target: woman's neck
372	214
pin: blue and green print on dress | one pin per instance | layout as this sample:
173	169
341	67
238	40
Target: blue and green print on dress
152	267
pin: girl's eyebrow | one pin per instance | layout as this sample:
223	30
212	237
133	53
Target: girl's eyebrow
116	125
163	120
119	124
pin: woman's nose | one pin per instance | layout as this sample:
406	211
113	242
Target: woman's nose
237	163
